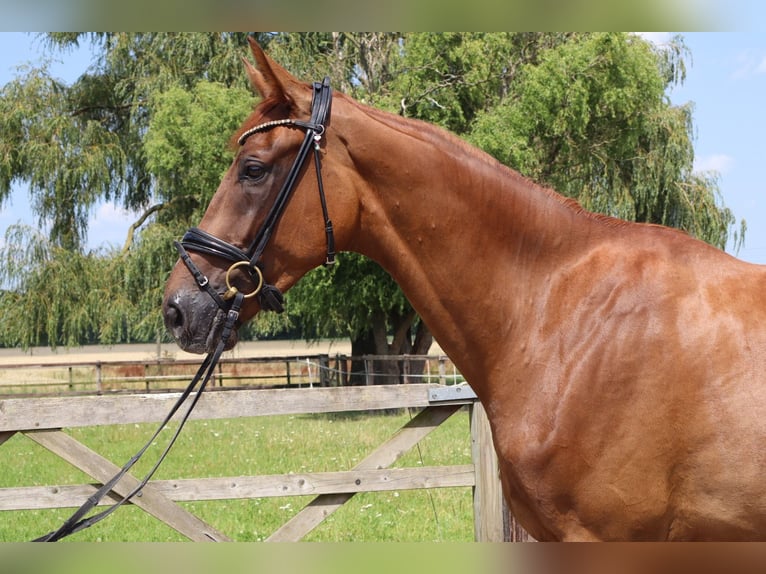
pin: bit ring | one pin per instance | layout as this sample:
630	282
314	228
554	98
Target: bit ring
231	290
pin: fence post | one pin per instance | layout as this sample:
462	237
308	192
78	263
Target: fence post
487	493
324	370
343	367
368	372
442	371
98	377
287	371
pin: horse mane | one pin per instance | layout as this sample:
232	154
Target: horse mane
438	136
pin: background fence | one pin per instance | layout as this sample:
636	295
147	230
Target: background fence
158	374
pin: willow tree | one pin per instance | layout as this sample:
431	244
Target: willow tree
592	120
100	139
147	126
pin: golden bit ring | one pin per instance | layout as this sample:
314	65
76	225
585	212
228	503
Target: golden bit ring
231	291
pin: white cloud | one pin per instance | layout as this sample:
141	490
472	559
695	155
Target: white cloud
748	64
720	163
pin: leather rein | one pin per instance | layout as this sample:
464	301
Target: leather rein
270	298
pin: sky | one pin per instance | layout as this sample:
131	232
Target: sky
726	81
108	223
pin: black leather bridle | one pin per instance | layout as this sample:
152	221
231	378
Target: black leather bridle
195	239
230	301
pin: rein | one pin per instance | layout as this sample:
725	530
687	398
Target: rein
230	301
77	521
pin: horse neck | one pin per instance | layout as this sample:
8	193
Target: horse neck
456	230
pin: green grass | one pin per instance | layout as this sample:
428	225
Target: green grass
254	446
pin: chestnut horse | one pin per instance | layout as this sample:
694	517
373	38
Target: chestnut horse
620	364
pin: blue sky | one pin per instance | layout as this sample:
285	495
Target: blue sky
726	80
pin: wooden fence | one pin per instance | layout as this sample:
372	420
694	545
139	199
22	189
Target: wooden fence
42	418
159	374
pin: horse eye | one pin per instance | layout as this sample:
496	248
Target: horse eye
253	172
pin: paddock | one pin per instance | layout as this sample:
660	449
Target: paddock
43	418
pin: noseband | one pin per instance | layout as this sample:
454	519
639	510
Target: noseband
195	239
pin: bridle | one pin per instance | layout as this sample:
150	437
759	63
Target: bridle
195	239
230	301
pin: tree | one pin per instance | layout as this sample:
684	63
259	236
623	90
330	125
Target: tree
147	128
592	120
75	145
103	139
356	298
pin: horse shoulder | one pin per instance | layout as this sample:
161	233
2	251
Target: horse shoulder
635	372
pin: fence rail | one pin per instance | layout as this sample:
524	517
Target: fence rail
162	375
41	418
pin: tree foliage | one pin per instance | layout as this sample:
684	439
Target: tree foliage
114	135
593	121
186	144
147	127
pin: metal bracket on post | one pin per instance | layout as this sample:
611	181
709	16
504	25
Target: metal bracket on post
451	394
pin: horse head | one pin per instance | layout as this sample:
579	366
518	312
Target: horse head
268	222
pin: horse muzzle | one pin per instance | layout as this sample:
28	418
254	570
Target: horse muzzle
195	321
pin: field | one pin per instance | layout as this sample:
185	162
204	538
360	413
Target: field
41	369
250	446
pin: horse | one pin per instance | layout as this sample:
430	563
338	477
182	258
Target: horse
620	364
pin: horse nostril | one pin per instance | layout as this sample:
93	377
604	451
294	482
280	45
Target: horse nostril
174	317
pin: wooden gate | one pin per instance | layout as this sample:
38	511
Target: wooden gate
41	419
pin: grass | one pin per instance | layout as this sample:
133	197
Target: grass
253	446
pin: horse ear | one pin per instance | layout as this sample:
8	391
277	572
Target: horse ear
271	80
